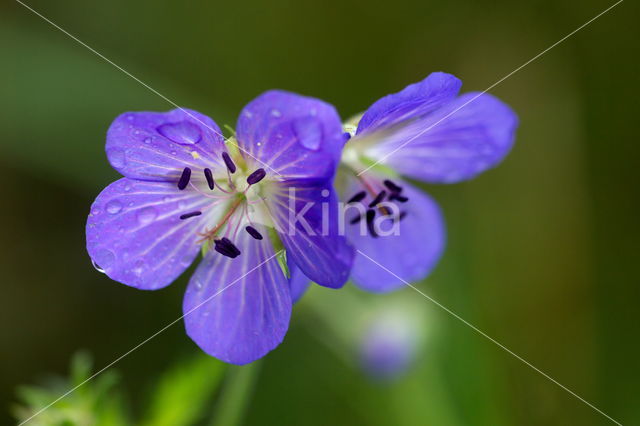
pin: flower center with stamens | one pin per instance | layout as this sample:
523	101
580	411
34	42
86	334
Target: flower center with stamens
234	194
378	197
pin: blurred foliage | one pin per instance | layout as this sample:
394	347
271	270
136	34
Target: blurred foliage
542	251
181	397
92	403
183	393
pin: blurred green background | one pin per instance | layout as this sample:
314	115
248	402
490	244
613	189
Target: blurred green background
542	252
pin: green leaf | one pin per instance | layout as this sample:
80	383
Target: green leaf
184	392
96	402
236	395
282	261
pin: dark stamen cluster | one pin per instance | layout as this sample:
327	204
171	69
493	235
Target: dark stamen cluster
378	198
393	195
225	247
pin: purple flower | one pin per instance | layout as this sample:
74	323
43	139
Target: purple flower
425	132
391	341
245	200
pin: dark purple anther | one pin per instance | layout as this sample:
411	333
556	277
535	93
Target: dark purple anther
402	216
192	214
229	162
392	186
253	232
209	176
355	220
378	198
225	247
398	197
223	250
184	178
371	214
347	136
256	176
357	198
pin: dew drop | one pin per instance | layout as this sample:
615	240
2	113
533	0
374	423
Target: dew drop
116	157
276	113
103	259
147	140
182	132
147	215
97	267
113	207
309	132
198	283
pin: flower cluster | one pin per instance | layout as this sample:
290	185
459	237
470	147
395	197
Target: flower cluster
262	209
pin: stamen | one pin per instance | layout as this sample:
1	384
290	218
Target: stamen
225	247
184	178
402	216
357	198
223	250
371	214
188	215
398	197
347	136
229	162
378	198
253	232
392	186
209	176
256	176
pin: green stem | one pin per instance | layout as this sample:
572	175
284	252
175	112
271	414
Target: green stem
236	395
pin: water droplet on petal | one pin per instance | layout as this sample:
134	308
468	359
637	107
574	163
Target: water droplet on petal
198	283
147	215
182	132
147	140
97	267
116	157
113	207
103	259
276	113
309	132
